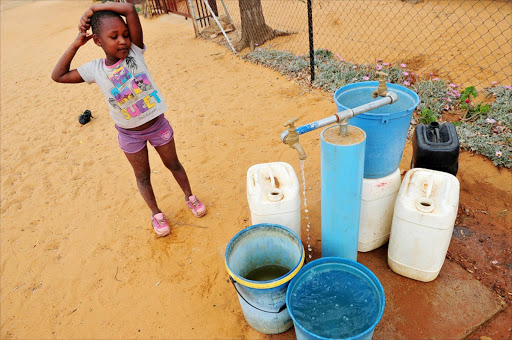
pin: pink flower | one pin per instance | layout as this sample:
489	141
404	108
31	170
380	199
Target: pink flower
379	60
405	73
453	85
435	79
338	56
366	78
508	87
499	129
406	83
431	74
342	59
378	67
403	65
466	101
354	67
447	99
499	153
456	93
446	107
494	83
354	79
490	120
386	64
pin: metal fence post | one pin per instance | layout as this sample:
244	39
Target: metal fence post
311	45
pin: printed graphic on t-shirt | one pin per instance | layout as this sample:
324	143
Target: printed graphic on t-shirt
133	94
131	63
120	76
141	106
122	96
113	103
141	83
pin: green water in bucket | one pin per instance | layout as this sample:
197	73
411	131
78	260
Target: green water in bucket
267	273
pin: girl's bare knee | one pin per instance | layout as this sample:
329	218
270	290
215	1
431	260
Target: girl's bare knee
174	166
144	179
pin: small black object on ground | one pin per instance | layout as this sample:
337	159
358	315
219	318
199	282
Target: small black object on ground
85	117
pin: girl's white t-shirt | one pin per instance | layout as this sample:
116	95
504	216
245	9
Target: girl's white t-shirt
128	87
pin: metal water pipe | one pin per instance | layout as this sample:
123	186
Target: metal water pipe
340	117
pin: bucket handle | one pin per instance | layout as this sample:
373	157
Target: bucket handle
266	311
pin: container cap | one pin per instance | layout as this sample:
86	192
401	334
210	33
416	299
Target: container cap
272	188
432	196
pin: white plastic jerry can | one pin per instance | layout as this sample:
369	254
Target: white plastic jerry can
273	195
423	220
377	204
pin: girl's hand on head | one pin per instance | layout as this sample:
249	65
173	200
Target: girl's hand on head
85	20
81	39
83	28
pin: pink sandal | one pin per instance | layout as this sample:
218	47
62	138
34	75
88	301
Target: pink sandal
195	205
160	225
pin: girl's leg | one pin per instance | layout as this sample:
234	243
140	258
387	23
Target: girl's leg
169	157
142	171
168	154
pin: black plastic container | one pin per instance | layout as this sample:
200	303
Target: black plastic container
435	146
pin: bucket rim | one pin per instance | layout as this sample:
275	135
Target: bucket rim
354	264
368	115
270	283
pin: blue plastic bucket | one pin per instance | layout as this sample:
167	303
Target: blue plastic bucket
386	127
335	298
263	302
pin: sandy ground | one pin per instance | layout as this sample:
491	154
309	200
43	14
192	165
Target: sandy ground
79	258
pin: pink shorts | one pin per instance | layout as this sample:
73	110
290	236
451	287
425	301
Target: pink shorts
158	134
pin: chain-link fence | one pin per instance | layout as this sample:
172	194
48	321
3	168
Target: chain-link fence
467	42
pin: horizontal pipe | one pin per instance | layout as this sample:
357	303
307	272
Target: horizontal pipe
390	98
312	126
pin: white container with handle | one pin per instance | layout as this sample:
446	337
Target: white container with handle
423	221
273	195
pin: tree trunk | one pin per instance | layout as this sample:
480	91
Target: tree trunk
254	29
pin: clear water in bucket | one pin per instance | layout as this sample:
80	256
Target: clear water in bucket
267	273
335	303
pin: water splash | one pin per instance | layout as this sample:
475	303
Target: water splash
310	249
303	184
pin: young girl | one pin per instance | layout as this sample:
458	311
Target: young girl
136	105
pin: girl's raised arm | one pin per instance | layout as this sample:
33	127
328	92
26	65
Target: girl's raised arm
61	72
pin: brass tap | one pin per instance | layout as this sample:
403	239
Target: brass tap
293	138
382	90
